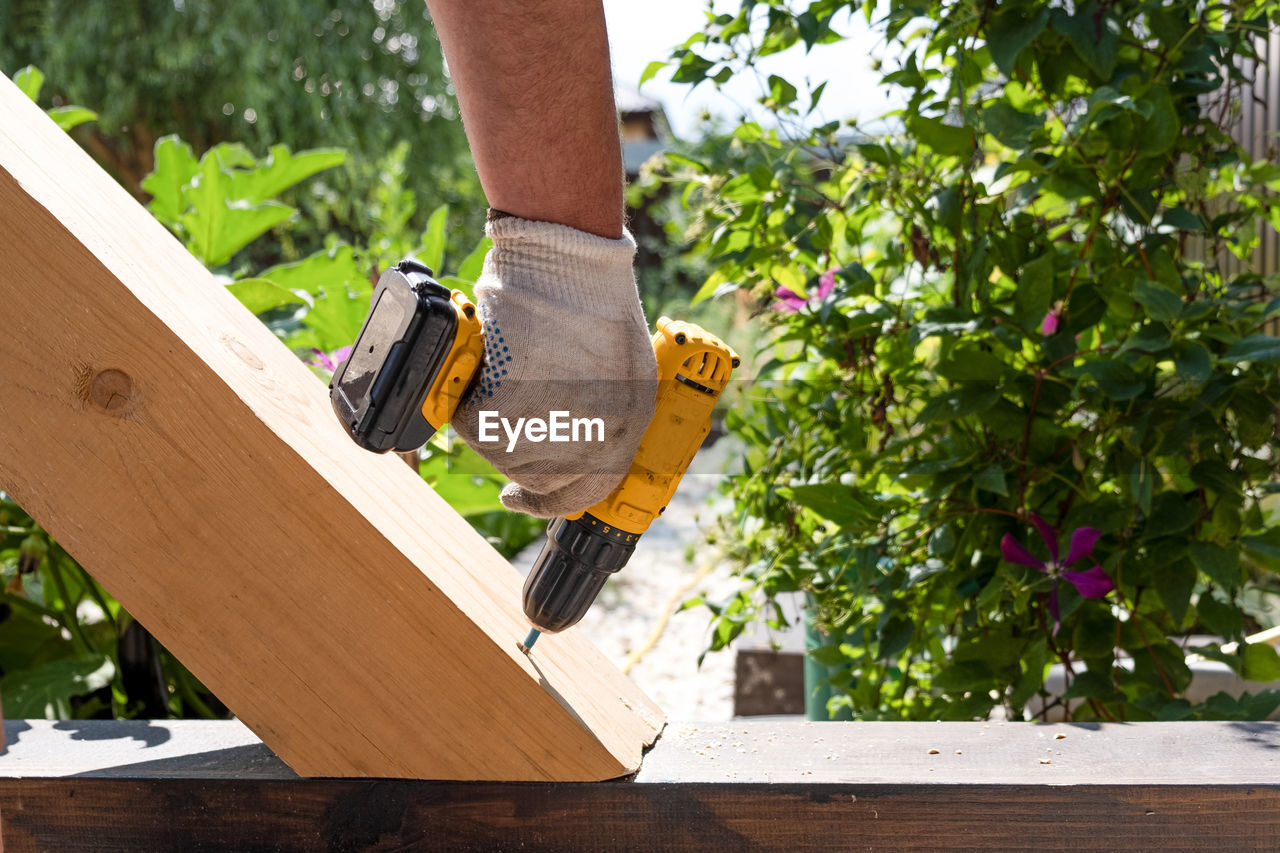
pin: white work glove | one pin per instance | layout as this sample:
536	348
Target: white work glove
564	332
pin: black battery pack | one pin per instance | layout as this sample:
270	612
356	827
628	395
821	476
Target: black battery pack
378	391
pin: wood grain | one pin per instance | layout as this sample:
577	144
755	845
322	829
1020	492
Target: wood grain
1146	786
340	608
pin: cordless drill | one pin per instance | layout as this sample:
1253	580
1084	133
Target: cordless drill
412	362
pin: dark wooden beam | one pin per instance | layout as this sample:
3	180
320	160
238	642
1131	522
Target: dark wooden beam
756	785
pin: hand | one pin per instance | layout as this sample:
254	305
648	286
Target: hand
564	332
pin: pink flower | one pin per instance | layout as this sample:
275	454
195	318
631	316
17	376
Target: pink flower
1093	583
1051	320
790	302
329	361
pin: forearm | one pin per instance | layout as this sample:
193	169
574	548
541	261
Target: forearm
536	94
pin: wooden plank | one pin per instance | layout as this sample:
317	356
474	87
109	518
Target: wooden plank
736	786
340	608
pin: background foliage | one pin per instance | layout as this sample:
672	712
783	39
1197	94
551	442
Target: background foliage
1016	306
364	76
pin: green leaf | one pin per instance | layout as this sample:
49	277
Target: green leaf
26	641
839	504
1253	348
964	677
1222	619
1162	304
259	295
217	228
942	541
282	169
1174	583
231	156
1182	219
1094	35
175	166
715	284
1220	565
30	81
968	363
217	236
1033	672
828	656
1115	379
968	400
877	154
71	117
1160	129
1173	711
691	69
1219	478
46	691
471	266
1091	684
1261	663
331	271
1262	706
992	479
1171	513
1034	295
781	93
650	70
1141	483
1172	665
1192	361
815	96
454	283
465	480
433	239
1011	126
335	319
1011	32
943	138
1264	549
895	635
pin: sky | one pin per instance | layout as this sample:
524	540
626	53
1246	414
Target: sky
643	30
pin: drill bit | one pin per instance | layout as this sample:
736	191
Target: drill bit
534	633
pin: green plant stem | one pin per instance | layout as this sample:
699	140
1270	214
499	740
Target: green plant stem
69	616
1146	644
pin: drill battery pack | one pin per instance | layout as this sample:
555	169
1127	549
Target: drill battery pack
412	362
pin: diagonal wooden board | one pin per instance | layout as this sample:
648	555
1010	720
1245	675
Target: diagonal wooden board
177	449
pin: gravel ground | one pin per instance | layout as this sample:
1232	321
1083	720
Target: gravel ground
631	606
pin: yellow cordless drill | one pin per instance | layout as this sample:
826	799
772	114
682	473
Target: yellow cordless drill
417	352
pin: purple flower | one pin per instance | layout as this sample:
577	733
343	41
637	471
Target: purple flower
791	302
1051	320
329	360
1093	583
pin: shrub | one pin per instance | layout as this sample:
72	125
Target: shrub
1021	403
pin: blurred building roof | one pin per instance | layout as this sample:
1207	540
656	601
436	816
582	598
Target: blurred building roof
645	129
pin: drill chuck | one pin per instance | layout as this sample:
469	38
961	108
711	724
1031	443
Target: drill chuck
578	557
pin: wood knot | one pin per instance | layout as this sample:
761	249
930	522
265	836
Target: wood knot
242	352
111	391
